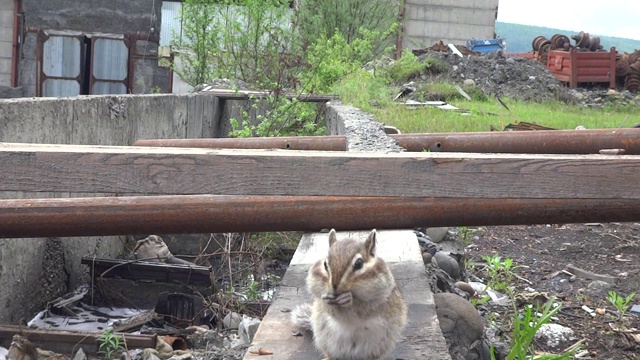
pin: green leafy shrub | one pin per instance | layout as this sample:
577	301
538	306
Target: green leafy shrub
406	68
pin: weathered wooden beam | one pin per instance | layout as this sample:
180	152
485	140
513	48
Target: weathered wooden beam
174	214
422	338
180	171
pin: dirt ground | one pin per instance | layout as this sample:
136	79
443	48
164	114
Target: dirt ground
543	251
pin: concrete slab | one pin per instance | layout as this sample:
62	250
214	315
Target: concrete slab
422	339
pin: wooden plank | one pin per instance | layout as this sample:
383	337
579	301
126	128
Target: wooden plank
422	339
181	171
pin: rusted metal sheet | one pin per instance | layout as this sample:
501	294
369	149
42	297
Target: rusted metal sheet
574	67
61	340
218	214
138	270
532	142
529	142
323	143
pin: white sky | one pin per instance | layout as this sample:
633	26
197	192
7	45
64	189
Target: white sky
620	18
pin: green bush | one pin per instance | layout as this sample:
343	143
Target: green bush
406	68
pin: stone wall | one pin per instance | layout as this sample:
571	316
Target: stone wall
34	271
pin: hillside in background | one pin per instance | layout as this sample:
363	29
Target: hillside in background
519	37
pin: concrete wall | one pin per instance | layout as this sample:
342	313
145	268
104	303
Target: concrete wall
6	41
113	16
89	17
429	21
34	271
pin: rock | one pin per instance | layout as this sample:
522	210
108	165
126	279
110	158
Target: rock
465	287
555	335
247	328
461	326
598	289
426	257
446	263
186	356
232	320
469	82
80	355
437	234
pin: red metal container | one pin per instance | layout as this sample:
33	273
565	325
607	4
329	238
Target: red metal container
574	66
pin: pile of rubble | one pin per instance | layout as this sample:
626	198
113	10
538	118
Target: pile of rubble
498	74
524	79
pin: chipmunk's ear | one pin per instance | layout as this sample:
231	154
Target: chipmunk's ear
332	237
370	243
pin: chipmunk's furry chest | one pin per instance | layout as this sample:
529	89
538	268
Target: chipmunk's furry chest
352	337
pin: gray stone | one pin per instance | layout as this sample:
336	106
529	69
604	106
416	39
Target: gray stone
446	263
232	320
598	289
248	328
437	234
469	82
80	355
461	326
555	335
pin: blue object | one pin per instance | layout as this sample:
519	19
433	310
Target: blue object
486	46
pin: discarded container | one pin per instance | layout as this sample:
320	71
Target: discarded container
486	46
573	67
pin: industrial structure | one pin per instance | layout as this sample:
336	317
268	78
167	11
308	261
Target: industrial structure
426	22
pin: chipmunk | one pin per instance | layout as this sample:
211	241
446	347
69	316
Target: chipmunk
358	312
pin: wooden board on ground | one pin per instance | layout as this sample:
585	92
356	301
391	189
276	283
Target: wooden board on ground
422	339
186	171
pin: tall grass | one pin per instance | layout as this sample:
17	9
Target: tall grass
374	95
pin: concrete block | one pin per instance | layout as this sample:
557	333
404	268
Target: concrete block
6	49
5	63
6	32
6	5
6	17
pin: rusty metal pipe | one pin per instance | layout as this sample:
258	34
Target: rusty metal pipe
526	142
73	338
322	143
174	214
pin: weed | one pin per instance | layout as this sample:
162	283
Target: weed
466	233
406	68
110	344
525	326
253	291
499	272
620	303
475	301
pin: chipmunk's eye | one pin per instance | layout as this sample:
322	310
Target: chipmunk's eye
357	265
326	267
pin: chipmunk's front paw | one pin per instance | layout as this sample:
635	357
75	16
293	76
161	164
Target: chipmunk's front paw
343	299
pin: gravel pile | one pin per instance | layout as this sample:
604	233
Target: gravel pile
522	79
497	74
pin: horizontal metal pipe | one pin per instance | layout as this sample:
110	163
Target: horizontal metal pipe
320	143
58	337
174	214
525	142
